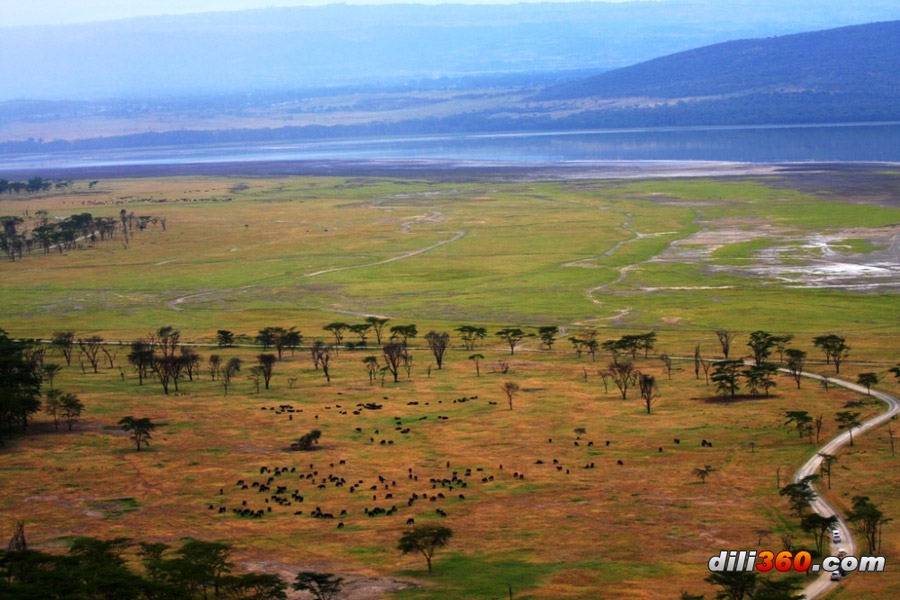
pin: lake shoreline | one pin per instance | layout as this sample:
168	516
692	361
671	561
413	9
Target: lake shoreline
449	170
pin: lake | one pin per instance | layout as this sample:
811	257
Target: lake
876	142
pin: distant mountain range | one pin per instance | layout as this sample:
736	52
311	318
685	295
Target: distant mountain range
848	74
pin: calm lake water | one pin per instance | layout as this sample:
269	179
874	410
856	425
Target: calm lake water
878	142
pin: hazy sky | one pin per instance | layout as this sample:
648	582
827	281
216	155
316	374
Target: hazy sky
56	12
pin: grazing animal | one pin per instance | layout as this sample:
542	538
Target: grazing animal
620	462
410	521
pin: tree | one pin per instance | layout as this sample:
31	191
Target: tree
624	375
697	361
736	585
703	473
377	324
800	419
895	371
548	335
167	338
667	361
322	586
232	367
90	348
51	370
470	334
393	357
826	465
425	539
438	342
800	494
141	359
868	520
725	376
267	364
361	330
868	380
53	406
63	341
337	330
403	333
140	429
168	369
725	338
477	358
307	440
760	376
512	336
19	387
761	343
292	340
835	348
648	390
70	409
207	563
817	526
510	388
256	375
646	342
190	361
781	342
372	367
224	338
847	420
213	364
795	362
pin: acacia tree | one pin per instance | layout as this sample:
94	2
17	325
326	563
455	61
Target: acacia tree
167	339
800	494
307	440
868	380
52	406
760	376
213	364
403	333
834	347
232	367
425	539
337	330
191	361
796	360
703	473
725	376
70	409
895	371
377	324
361	330
224	338
801	420
624	375
817	526
847	420
90	348
648	390
141	358
140	429
64	341
781	343
266	364
868	520
322	586
477	358
697	361
470	334
438	342
51	370
512	336
725	338
372	367
761	343
393	357
548	335
826	465
510	388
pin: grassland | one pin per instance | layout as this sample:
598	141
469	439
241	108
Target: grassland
675	256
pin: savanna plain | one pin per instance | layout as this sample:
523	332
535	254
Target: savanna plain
570	490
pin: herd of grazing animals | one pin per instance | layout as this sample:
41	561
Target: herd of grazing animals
383	488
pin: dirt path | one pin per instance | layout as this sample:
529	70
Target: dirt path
823	584
455	237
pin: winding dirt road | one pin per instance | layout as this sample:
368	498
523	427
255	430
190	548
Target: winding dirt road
823	584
